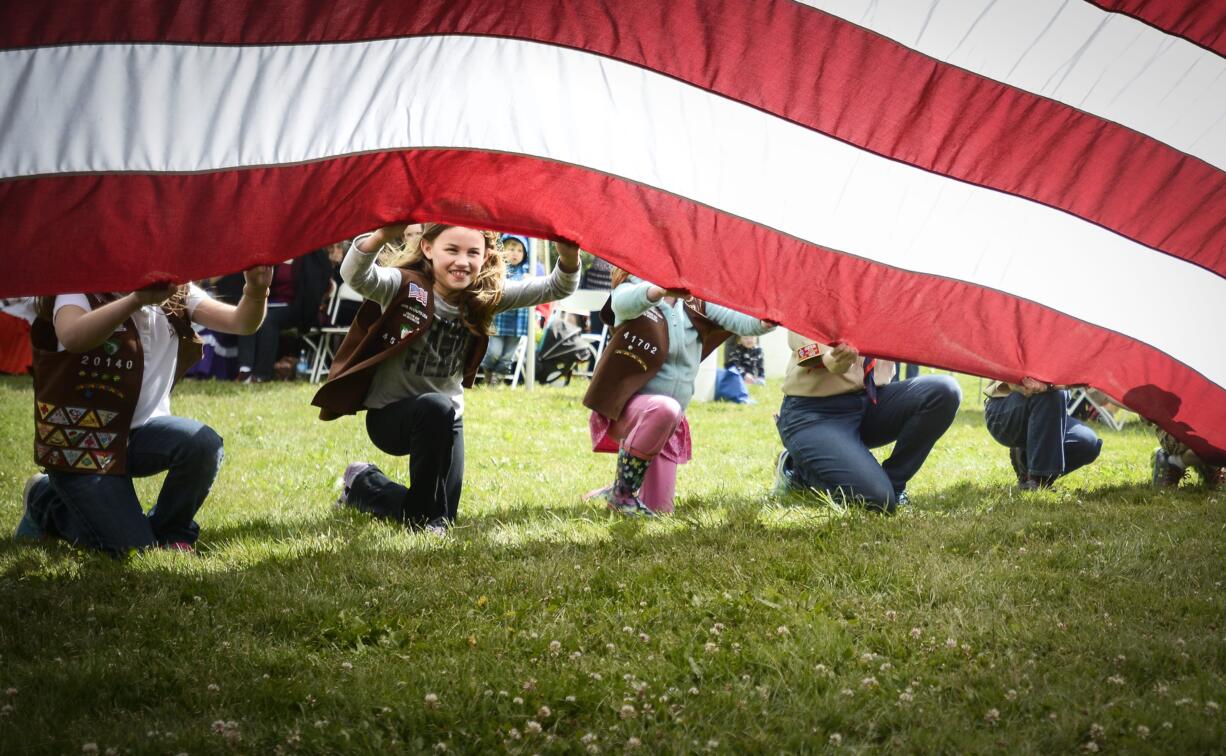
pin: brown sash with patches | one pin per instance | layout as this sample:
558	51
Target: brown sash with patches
637	350
84	403
377	335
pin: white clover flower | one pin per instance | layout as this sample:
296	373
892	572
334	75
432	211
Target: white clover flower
533	727
916	633
835	739
993	716
627	712
431	700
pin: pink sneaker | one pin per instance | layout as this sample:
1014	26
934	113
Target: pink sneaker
182	546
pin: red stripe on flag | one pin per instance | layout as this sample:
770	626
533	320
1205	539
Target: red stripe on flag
667	239
803	65
1201	22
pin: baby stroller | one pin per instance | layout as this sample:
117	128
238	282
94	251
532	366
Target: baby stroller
562	350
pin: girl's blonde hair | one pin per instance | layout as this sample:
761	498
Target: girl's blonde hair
477	302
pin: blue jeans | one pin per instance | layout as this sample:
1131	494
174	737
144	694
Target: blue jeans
103	512
500	355
829	437
1054	443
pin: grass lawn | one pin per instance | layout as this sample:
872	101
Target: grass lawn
977	619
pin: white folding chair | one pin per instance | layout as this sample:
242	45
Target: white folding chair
324	351
584	302
521	353
1078	395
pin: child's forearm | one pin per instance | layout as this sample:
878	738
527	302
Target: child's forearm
81	331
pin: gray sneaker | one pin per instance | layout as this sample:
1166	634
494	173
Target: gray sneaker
27	529
785	477
439	527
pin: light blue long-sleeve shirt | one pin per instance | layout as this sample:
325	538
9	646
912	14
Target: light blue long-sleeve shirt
676	377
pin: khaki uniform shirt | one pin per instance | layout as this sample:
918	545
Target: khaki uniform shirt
999	389
807	376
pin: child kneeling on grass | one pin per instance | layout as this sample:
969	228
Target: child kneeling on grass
1044	442
643	383
415	344
104	365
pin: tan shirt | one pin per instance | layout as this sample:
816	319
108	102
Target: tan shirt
998	389
807	376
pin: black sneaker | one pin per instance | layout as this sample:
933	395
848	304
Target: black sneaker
1165	474
1017	458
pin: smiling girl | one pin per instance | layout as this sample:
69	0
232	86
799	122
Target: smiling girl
414	346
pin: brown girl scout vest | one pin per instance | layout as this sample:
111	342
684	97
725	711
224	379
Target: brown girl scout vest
84	403
636	352
377	335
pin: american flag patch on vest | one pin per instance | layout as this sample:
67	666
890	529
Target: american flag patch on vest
418	293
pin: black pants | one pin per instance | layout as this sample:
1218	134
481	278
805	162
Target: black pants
258	352
427	430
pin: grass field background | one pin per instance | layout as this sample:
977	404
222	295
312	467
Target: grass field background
1090	617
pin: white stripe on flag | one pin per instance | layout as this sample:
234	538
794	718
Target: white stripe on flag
249	106
1106	64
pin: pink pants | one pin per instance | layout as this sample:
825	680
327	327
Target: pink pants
647	423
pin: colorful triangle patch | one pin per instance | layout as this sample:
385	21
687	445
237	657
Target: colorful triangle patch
104	439
74	413
74	435
56	438
58	417
54	458
90	442
104	459
43	429
40	450
45	409
90	420
72	455
106	416
86	462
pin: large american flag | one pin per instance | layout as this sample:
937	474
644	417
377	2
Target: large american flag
1001	187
